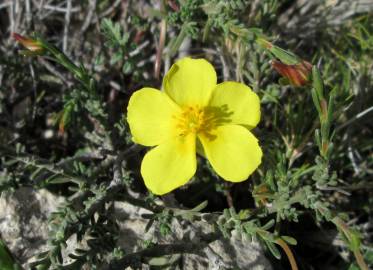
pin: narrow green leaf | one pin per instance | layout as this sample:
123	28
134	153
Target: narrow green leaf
56	179
331	107
200	207
268	225
317	138
284	56
318	84
176	43
316	101
36	173
273	249
290	240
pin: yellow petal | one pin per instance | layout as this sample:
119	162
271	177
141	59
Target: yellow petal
239	101
190	81
233	152
170	165
150	116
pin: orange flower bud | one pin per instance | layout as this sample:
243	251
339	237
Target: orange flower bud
298	74
33	46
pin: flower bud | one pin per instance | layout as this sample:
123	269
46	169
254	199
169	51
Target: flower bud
298	74
33	47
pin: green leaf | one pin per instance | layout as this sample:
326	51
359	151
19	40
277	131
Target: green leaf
36	173
226	214
200	207
268	225
163	261
316	101
317	138
331	107
318	84
113	33
233	213
176	43
116	57
354	240
273	249
353	267
283	81
56	179
244	214
284	56
127	67
6	260
290	240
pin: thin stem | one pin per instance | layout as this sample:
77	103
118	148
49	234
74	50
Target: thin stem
353	119
346	231
162	39
288	253
228	195
40	164
360	260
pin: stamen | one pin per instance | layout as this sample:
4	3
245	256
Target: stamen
195	119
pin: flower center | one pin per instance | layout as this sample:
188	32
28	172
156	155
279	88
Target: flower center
196	119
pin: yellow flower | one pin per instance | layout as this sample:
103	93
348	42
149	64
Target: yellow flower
194	114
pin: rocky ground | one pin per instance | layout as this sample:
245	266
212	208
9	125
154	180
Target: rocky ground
24	228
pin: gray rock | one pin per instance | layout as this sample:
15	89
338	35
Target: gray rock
24	227
231	253
23	221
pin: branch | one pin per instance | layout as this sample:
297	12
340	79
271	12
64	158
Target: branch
162	250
